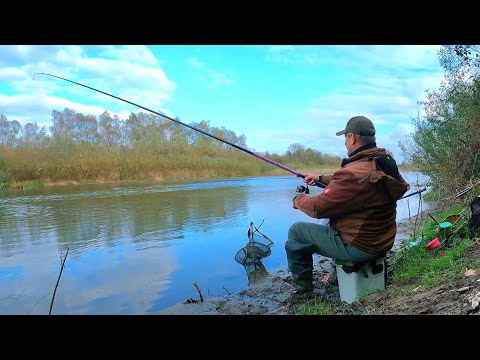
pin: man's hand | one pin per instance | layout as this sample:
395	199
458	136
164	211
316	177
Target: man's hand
311	178
293	200
308	212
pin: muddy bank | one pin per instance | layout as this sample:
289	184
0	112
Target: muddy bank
270	294
457	297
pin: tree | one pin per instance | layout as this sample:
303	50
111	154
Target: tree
33	135
446	142
456	57
9	131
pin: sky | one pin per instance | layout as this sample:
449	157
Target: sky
275	95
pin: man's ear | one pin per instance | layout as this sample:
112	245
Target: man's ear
354	137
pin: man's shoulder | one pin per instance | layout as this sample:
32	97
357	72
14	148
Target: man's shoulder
348	172
361	164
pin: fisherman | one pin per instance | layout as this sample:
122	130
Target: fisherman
360	201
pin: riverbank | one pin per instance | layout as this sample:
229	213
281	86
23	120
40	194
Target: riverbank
270	294
166	176
181	176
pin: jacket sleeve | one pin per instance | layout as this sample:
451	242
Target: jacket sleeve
342	195
325	179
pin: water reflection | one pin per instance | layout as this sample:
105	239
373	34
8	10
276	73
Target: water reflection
255	271
137	248
123	243
251	255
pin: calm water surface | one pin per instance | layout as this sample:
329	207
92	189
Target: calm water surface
138	248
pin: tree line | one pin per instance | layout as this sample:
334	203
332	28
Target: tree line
143	146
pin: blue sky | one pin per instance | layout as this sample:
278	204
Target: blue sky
275	95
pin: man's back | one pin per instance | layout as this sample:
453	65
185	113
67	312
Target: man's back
360	201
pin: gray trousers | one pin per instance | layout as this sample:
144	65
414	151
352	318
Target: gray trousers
306	239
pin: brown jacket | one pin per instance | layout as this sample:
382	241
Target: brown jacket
360	201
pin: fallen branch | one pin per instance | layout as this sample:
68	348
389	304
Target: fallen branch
58	280
229	293
199	292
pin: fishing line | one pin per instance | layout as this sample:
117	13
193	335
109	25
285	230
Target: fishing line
257	155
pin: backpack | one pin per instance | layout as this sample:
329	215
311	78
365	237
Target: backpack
474	224
388	165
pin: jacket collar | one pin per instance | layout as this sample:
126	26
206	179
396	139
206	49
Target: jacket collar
364	147
369	151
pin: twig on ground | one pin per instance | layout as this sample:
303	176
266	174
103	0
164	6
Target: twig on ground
58	280
199	292
419	213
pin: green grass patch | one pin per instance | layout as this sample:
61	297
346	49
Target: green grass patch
5	176
420	265
33	184
316	307
366	292
4	186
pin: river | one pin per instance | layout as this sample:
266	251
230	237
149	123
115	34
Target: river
137	248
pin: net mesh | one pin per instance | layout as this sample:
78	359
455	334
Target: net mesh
257	248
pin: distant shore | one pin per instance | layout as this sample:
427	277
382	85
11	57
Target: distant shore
274	172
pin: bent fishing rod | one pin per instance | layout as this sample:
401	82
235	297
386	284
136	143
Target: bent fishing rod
257	155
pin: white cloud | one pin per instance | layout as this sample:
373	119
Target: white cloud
404	129
390	100
318	137
287	54
372	56
316	128
33	108
393	56
133	76
115	283
138	54
9	74
195	63
18	55
211	77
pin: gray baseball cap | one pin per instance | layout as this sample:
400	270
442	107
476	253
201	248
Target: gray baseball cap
359	125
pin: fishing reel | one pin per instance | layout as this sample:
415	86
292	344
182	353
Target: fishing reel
303	189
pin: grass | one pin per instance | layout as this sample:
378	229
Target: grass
429	268
366	292
316	307
416	268
422	266
84	162
16	185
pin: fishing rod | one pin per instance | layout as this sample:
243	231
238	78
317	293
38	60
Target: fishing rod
468	189
257	155
414	193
